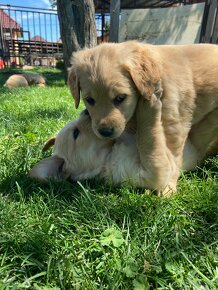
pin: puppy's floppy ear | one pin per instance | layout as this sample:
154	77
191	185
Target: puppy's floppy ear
49	143
144	71
50	167
73	83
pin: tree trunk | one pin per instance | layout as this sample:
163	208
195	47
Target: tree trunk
77	26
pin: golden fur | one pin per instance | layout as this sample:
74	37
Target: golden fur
84	156
16	81
165	89
35	79
24	80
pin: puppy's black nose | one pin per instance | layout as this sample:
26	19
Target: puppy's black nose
106	132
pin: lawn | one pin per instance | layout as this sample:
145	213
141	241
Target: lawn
88	235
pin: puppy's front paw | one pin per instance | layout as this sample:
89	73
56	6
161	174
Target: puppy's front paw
158	90
155	102
151	104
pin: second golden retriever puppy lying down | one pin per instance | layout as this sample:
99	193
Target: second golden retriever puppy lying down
79	154
24	80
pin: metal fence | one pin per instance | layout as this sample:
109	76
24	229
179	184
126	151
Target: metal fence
29	36
102	26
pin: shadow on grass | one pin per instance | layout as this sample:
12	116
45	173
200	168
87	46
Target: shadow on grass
67	189
55	78
40	115
20	185
208	168
43	113
117	200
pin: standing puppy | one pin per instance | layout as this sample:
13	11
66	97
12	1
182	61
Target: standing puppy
168	90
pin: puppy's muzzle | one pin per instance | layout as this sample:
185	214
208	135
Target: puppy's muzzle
106	132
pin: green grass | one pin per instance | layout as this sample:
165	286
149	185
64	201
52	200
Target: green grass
88	235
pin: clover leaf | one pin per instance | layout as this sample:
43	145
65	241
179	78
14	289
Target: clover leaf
113	236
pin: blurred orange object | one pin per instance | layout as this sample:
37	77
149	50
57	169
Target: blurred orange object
1	63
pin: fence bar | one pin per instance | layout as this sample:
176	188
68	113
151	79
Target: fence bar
114	20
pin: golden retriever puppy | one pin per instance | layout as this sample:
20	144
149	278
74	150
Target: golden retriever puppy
165	89
35	79
79	154
16	81
24	80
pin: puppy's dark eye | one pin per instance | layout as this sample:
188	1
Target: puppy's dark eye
90	101
119	99
76	132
